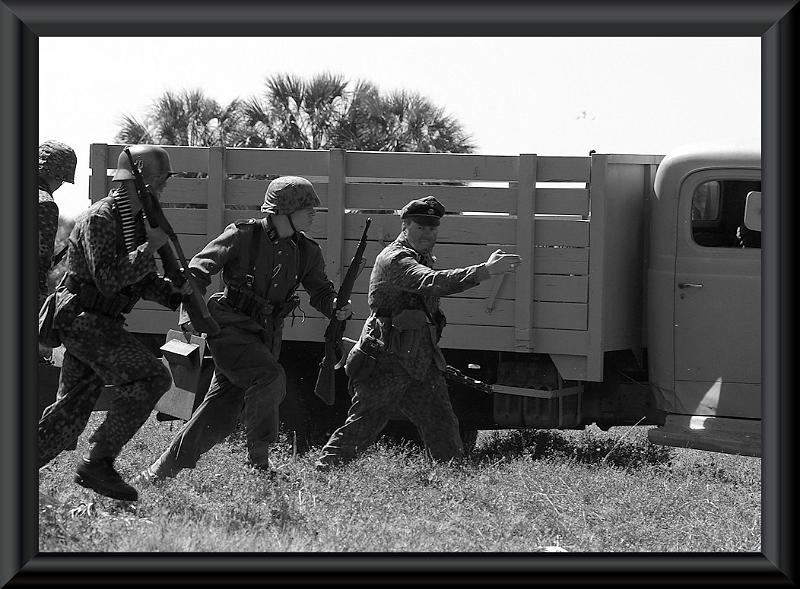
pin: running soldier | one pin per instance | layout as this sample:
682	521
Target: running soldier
397	363
57	162
262	261
110	266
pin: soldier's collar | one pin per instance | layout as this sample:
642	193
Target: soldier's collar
272	231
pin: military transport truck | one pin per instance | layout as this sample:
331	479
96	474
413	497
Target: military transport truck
637	301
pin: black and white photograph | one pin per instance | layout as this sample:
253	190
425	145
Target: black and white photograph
400	295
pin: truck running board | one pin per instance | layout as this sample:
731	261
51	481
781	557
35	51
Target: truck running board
717	434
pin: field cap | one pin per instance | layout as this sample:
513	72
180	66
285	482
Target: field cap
425	211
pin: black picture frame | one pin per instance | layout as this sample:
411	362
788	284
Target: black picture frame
23	22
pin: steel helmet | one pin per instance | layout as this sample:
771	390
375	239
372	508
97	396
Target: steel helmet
57	160
288	194
151	160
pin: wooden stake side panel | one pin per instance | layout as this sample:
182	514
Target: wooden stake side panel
482	195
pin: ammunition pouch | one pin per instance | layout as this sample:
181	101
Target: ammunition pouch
363	359
247	302
92	300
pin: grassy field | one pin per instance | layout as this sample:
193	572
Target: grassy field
531	491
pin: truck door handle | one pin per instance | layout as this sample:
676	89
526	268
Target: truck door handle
689	285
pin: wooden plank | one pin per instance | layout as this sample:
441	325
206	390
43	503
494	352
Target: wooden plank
632	158
563	169
549	201
465	337
546	288
546	341
465	311
547	260
427	166
458	229
523	292
279	162
335	216
182	158
98	181
186	191
561	260
562	201
594	361
190	221
454	198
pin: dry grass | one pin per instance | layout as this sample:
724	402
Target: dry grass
583	491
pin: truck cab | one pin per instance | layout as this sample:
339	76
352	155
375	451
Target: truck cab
704	299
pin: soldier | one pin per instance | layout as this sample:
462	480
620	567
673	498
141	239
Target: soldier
57	163
397	363
110	266
262	261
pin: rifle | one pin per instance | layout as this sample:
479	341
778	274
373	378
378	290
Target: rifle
59	256
177	270
325	388
454	375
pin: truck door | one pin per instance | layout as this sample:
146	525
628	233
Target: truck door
717	330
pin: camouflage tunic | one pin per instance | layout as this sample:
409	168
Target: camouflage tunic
408	376
248	379
98	348
48	227
404	279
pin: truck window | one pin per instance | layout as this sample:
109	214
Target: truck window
718	214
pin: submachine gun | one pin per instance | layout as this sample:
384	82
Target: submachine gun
175	268
334	358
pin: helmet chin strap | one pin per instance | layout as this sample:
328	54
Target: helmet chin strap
289	216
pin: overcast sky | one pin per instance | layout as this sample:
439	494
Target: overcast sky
551	96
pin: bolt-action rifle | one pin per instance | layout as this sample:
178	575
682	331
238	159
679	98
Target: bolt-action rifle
334	358
176	269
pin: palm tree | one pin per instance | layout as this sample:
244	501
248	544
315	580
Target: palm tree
296	113
411	122
323	113
185	118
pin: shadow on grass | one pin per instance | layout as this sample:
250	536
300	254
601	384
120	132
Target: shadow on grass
586	448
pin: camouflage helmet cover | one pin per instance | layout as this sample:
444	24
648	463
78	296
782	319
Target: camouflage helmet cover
151	160
288	194
57	160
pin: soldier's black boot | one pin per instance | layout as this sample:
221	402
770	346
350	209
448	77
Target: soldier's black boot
99	475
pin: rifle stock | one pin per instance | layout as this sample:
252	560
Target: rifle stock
175	268
325	387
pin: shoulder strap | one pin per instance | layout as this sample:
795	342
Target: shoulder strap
253	251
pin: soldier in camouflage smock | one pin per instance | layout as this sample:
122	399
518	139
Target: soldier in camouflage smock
57	163
262	262
397	363
110	266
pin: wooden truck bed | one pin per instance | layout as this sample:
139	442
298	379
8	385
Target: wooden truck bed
577	293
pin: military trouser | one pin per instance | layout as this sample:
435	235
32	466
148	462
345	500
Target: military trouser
99	351
248	381
424	402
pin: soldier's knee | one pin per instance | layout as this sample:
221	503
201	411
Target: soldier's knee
274	377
